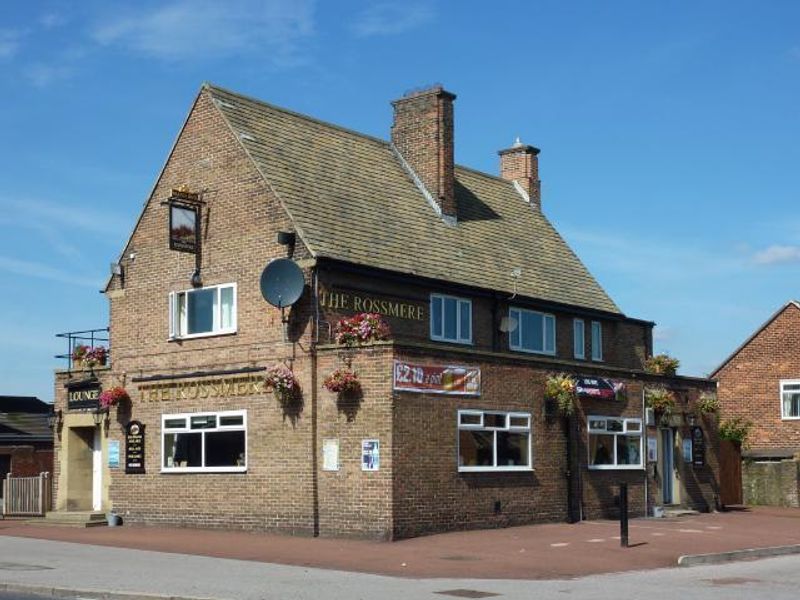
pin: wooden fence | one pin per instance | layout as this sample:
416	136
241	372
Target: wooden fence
27	496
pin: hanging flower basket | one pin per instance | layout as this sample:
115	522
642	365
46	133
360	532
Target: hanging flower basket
361	328
563	389
113	397
660	399
708	403
283	382
84	356
735	430
342	381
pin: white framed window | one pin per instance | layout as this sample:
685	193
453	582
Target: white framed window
494	441
615	443
203	311
451	319
597	340
208	442
535	331
579	338
790	398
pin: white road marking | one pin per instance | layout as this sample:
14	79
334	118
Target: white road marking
595	540
560	544
691	530
657	533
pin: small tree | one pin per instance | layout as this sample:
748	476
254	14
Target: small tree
708	403
662	364
735	430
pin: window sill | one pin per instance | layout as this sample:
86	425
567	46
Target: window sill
459	342
166	471
495	469
194	336
526	351
790	418
616	467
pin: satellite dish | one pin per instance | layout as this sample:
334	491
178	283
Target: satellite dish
282	282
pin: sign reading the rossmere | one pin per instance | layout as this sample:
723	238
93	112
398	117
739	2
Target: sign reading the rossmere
361	303
211	388
436	379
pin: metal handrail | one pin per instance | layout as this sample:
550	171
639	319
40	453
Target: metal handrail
88	337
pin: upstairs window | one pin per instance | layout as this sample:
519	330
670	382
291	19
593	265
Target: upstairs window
203	311
451	319
535	331
597	340
494	441
579	338
790	399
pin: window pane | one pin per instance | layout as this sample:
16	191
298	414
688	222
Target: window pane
436	316
514	339
614	424
465	315
597	341
579	341
512	449
633	426
183	450
601	449
494	420
549	334
225	449
204	422
226	302
519	421
475	448
174	423
628	449
470	419
532	331
450	318
201	311
791	402
232	420
181	324
597	424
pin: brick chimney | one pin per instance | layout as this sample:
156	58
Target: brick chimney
422	133
520	163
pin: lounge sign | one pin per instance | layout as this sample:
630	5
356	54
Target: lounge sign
83	395
211	388
437	379
362	303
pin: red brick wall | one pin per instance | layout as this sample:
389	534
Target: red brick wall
28	460
749	384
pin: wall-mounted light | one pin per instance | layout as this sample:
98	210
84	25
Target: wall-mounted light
286	238
196	279
55	419
117	270
98	415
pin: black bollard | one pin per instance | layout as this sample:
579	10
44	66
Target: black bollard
623	515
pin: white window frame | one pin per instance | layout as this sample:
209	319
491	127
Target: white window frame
784	416
597	341
480	427
460	304
175	327
518	318
187	429
625	432
579	348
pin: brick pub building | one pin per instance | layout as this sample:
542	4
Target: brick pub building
451	428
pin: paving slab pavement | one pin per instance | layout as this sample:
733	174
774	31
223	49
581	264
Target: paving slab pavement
552	551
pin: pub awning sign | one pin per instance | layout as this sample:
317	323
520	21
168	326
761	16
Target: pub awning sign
599	388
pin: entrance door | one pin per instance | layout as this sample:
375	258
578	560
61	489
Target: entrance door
667	465
83	468
97	471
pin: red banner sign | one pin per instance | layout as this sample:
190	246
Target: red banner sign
453	380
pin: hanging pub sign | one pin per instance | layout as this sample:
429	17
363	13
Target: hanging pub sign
698	447
436	379
83	395
184	220
603	389
134	447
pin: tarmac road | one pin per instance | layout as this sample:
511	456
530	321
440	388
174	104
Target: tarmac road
89	568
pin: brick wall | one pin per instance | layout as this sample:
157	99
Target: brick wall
749	384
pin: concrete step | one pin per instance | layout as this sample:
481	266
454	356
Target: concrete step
72	519
672	512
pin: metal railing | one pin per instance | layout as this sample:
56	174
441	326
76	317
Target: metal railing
27	496
88	337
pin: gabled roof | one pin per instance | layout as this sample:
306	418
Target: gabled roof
351	200
775	315
24	418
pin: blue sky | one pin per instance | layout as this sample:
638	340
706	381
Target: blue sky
668	132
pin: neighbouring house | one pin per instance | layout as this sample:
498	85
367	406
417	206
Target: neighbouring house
760	384
26	440
307	414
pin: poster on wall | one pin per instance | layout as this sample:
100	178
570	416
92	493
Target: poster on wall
652	449
454	380
603	389
113	454
698	447
330	454
370	455
687	450
134	447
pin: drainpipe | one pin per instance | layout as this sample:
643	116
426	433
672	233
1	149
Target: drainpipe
314	402
570	493
644	453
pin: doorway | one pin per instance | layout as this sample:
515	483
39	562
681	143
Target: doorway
667	466
84	469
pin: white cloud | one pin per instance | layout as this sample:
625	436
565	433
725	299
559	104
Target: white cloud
42	75
187	30
9	43
52	20
63	214
42	271
391	18
777	255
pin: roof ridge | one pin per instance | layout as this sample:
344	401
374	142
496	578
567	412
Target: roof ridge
294	113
